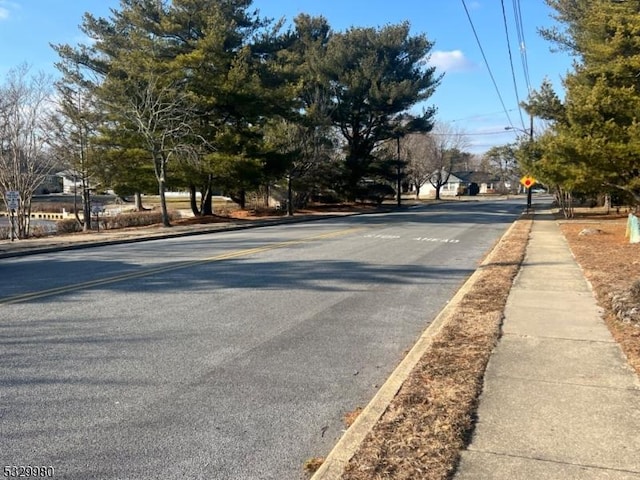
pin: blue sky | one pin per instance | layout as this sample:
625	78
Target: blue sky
467	97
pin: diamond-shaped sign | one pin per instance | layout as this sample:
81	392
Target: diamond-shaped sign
528	181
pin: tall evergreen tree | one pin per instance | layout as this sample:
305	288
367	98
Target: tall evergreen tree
374	77
191	78
594	144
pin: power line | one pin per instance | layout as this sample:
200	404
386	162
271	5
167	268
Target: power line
504	108
480	115
479	134
513	73
517	12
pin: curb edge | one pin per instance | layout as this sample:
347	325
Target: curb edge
347	446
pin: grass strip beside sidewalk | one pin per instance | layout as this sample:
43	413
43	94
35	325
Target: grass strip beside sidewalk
430	420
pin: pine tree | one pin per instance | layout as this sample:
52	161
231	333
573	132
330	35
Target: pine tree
594	144
375	76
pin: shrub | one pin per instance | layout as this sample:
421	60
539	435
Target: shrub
38	231
69	225
122	220
133	219
376	192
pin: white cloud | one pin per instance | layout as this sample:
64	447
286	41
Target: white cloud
6	8
451	61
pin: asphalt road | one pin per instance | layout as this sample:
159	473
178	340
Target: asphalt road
226	356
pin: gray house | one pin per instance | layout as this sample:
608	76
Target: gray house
463	183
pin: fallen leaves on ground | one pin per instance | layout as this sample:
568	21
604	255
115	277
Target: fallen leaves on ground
427	424
612	266
424	429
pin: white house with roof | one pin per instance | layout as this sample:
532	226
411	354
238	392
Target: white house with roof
463	183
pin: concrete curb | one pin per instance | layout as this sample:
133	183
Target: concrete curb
143	237
333	466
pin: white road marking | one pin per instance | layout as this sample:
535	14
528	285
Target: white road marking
417	239
441	240
384	237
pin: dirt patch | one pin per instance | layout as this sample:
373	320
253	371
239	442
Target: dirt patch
429	421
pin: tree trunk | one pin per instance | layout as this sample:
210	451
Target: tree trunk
193	201
86	205
75	206
163	203
438	192
289	197
207	202
242	197
22	218
138	201
160	165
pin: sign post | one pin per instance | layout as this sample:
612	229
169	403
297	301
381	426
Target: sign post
13	202
97	209
528	182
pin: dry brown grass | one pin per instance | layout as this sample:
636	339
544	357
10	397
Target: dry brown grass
612	265
428	423
351	416
313	464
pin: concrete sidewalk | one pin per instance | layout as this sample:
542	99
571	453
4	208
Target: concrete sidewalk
559	400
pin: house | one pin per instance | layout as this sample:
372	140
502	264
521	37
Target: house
71	181
463	183
474	183
50	184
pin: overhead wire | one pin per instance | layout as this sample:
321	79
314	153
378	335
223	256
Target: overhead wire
500	132
482	115
475	33
517	13
513	72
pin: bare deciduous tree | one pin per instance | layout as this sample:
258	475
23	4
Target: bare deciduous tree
311	150
24	157
73	126
415	150
160	114
433	156
502	163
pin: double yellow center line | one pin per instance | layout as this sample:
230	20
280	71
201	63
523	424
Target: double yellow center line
168	268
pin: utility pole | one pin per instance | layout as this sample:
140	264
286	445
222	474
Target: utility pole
398	174
530	143
530	135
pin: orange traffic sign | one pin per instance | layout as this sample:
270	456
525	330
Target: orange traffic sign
528	181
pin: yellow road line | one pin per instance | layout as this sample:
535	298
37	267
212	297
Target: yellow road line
177	266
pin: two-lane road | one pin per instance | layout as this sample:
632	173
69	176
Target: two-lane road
225	356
